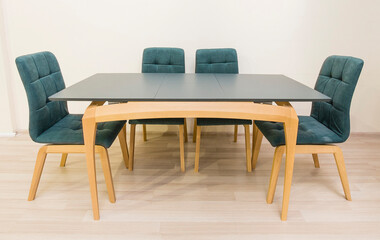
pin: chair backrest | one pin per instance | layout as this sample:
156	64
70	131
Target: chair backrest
163	60
41	76
337	79
219	60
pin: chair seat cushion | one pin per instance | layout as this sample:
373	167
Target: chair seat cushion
222	121
69	131
159	121
310	132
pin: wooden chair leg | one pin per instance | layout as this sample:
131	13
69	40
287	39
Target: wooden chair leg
235	133
144	133
247	148
63	159
197	149
132	147
40	162
338	155
104	159
257	138
316	161
185	129
195	130
123	145
182	147
279	151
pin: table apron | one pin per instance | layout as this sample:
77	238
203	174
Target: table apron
232	110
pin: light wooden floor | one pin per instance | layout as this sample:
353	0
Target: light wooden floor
222	201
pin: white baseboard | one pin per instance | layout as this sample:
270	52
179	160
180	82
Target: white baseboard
7	134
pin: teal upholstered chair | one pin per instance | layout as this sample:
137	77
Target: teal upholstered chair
50	122
329	122
223	60
161	60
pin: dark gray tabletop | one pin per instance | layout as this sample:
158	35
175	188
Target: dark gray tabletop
120	87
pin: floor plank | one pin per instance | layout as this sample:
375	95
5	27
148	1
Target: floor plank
222	201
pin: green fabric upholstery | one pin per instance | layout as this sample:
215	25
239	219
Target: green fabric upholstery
222	121
69	131
222	60
42	77
218	60
310	131
50	121
159	121
337	79
329	121
163	60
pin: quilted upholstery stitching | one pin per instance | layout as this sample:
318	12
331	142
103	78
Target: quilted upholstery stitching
329	121
216	61
69	131
41	109
344	66
49	121
38	73
157	64
332	103
163	60
339	104
48	64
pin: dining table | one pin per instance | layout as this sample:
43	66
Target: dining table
189	95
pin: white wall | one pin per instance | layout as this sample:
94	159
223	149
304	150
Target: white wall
290	37
6	126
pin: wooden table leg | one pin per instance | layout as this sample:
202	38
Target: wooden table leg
247	148
291	129
182	147
89	134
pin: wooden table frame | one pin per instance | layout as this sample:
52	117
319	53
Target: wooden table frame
97	113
